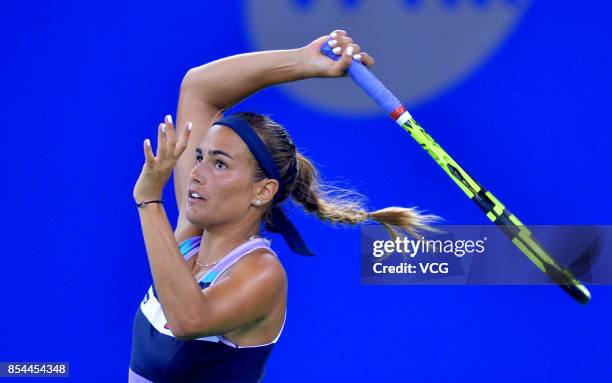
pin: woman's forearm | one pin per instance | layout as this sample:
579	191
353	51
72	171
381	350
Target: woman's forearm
227	81
179	294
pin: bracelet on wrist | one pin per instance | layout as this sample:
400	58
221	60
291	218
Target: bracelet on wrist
145	203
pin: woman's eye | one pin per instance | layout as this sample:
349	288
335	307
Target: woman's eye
199	158
220	164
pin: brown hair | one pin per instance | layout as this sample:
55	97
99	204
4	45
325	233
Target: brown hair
329	203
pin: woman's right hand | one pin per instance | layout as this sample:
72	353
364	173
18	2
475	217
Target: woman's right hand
316	64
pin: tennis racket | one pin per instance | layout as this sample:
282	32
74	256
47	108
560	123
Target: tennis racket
518	233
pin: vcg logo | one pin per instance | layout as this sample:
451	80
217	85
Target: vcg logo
422	47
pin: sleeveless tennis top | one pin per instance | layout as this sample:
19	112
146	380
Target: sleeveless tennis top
158	356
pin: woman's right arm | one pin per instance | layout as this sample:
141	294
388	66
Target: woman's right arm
209	89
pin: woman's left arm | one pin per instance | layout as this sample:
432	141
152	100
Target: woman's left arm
176	288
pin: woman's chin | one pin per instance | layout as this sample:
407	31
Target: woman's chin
195	217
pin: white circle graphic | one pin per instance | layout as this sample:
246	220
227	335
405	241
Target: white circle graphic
420	49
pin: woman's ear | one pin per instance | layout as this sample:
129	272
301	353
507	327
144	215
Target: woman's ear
265	190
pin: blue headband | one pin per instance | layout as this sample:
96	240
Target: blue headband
279	222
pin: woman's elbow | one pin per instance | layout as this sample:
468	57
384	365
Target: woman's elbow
189	80
189	330
183	333
198	85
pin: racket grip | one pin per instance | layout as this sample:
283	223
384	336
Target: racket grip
369	83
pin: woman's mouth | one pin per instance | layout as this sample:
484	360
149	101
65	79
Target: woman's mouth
195	197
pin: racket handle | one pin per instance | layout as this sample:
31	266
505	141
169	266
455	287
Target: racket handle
369	83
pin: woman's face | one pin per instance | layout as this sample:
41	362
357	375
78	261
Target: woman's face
223	177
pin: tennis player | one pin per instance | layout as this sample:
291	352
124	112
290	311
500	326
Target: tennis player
218	301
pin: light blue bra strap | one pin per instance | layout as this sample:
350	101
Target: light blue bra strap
190	246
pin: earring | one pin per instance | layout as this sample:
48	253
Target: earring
258	202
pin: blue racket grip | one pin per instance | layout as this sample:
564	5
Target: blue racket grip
368	82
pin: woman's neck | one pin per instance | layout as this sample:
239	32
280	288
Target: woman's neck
217	243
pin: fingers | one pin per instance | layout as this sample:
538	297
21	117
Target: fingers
345	40
168	150
167	147
339	44
148	152
161	140
343	45
166	137
366	59
338	33
183	140
170	133
347	53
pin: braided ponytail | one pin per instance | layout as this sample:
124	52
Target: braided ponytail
337	205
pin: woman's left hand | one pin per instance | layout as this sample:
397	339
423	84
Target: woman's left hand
156	170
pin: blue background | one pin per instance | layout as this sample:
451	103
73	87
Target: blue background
84	84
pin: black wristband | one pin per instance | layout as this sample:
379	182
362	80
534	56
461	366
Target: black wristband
144	203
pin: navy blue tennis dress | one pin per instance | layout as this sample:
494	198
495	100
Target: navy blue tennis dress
158	356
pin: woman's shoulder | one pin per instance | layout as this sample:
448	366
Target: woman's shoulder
263	265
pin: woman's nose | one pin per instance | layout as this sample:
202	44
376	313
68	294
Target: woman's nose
197	173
